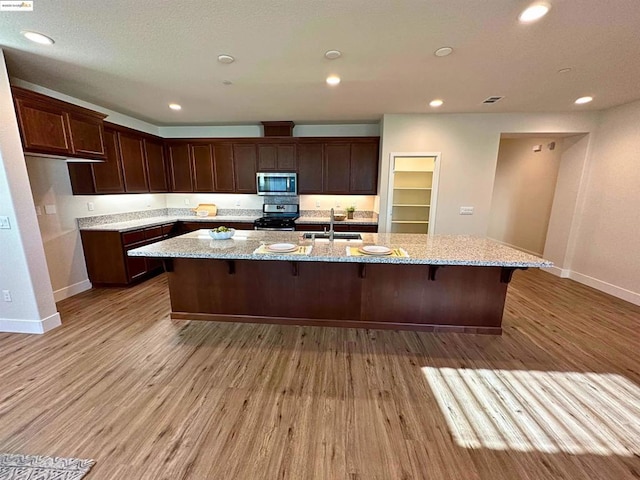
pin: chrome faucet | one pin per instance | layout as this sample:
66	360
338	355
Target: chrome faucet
331	220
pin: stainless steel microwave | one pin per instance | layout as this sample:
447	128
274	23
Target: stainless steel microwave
273	183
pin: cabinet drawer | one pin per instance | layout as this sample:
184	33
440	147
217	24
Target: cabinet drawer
363	228
133	237
151	233
168	229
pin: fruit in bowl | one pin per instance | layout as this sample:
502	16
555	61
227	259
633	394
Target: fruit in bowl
222	233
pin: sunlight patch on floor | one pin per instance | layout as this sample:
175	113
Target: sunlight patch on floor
550	412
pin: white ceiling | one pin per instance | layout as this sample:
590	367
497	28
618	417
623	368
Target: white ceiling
137	56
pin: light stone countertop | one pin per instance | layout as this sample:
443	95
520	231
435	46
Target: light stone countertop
153	221
422	249
348	221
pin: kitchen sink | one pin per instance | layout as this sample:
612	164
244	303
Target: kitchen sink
336	236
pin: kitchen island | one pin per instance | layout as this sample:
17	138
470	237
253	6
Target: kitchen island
444	283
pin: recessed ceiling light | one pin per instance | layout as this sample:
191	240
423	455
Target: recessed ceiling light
565	70
226	59
443	52
38	37
534	12
175	106
436	103
583	100
333	80
332	54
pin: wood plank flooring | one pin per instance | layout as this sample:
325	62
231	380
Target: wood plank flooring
152	398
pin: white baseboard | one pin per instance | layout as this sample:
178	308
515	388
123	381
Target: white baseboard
30	326
557	271
624	294
72	290
516	247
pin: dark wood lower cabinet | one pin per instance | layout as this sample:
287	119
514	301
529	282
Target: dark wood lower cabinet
106	257
363	295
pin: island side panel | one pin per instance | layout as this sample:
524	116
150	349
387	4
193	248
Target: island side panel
459	298
313	290
451	295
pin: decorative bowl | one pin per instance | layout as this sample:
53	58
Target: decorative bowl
202	213
338	217
222	235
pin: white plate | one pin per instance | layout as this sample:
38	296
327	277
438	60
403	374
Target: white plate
282	247
375	250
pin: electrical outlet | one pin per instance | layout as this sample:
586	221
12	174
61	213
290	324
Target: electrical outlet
50	209
6	295
187	201
38	210
237	203
318	204
90	206
4	223
466	210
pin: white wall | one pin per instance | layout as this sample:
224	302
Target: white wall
50	185
235	131
607	250
23	270
468	144
523	192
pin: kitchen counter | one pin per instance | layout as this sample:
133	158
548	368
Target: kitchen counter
160	220
349	221
422	249
448	283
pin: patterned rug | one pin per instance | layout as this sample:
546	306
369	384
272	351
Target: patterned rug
36	467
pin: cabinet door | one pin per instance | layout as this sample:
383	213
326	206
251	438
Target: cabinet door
44	128
267	157
286	158
108	174
87	135
180	168
156	166
310	167
202	168
364	169
223	167
244	167
133	163
81	177
337	158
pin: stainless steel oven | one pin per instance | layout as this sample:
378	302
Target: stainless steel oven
275	183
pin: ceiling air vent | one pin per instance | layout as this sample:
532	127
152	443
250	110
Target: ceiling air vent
489	100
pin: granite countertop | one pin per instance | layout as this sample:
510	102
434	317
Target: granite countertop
422	249
160	220
348	221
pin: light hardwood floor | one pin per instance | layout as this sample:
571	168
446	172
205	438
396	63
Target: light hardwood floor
151	398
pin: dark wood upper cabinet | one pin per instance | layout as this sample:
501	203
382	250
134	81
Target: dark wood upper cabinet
133	163
223	167
202	168
108	175
87	135
53	127
44	128
81	177
310	167
180	167
156	166
337	161
244	167
364	169
277	157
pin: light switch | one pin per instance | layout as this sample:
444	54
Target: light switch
4	223
38	210
90	206
50	209
187	201
466	210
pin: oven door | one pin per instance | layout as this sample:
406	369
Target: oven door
282	184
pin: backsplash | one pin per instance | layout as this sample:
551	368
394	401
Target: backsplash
327	213
222	212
